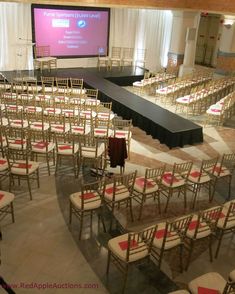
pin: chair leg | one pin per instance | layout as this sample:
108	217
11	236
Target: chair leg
219	244
229	187
29	187
181	247
210	248
167	201
81	225
70	212
131	212
12	212
190	254
125	279
48	164
141	207
159	203
38	182
108	262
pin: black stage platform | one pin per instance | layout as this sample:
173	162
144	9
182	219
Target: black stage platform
167	127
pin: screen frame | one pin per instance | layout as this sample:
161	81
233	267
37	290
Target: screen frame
68	7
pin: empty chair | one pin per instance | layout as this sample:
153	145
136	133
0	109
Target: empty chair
170	235
119	190
225	224
211	282
85	203
223	170
148	187
76	85
43	59
128	249
140	58
22	169
202	226
116	57
103	58
175	181
127	56
198	178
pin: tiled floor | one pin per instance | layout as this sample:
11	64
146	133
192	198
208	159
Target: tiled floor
41	250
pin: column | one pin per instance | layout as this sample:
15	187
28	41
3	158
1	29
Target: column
192	24
182	20
226	53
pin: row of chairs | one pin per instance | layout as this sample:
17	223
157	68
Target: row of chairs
128	248
122	56
221	111
198	102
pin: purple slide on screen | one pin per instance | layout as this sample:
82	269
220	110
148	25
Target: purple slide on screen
71	32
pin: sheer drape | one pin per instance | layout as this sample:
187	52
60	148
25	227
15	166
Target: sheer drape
143	29
15	36
137	28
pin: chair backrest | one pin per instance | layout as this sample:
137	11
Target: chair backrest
183	168
212	215
90	192
154	174
140	243
122	124
228	160
116	52
41	51
230	216
209	165
62	82
76	83
92	93
127	53
181	224
118	181
47	81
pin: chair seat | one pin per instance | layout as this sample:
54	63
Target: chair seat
121	192
177	180
118	246
78	91
60	128
6	198
203	230
43	97
33	109
42	147
17	143
180	292
123	134
67	149
172	238
38	125
227	204
151	185
70	112
90	152
196	177
232	276
17	123
215	109
220	171
91	200
61	99
19	167
80	130
102	132
3	164
185	100
212	281
221	221
52	111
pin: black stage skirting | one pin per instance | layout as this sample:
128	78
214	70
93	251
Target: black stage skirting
161	124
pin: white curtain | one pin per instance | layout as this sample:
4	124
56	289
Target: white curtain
136	28
15	36
143	29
